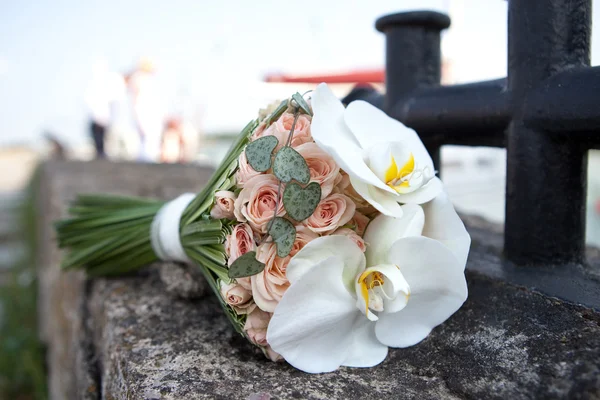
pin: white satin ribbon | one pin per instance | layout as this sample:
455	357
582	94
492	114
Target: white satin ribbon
164	231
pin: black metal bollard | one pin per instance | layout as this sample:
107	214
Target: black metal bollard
546	174
413	59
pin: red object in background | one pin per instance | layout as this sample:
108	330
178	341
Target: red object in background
597	206
361	76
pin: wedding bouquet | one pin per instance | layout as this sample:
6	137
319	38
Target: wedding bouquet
324	233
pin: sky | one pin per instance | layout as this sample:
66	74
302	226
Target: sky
210	55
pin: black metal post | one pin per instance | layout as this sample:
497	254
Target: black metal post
546	175
413	58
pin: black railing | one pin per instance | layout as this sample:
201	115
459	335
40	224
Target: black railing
546	113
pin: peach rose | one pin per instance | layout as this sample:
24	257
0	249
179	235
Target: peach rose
238	298
331	213
323	169
256	330
256	202
272	130
245	172
301	130
352	235
359	223
345	187
269	285
245	283
303	236
223	207
239	242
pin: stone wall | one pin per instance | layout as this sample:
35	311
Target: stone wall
130	338
62	295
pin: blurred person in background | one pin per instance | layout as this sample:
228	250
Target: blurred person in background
105	91
173	142
147	110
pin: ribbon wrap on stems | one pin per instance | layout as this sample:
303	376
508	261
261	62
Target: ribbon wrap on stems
164	231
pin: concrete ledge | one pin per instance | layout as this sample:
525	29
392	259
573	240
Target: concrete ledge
506	342
128	338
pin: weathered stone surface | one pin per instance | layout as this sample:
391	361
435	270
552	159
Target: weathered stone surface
185	281
128	338
506	342
61	298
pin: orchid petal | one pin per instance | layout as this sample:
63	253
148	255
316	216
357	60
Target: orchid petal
313	324
331	134
424	194
384	202
395	286
443	224
381	156
395	289
322	248
372	126
438	289
365	350
383	231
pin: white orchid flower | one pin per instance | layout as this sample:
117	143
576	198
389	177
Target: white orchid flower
386	161
344	307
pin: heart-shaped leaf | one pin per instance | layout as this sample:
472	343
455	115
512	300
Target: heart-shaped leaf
284	234
245	265
299	202
289	164
297	97
259	152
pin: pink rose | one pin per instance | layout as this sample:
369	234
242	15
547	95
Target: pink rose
256	202
301	129
353	236
269	285
359	223
344	186
303	236
245	172
245	283
272	130
323	169
237	297
239	242
256	330
223	207
331	213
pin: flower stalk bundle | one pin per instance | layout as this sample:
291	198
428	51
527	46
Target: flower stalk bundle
324	233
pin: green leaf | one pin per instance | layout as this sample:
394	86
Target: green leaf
259	152
277	112
289	164
283	233
300	203
245	265
297	97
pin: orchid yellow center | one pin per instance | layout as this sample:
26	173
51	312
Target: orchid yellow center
369	280
399	178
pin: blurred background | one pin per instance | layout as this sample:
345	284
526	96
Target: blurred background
150	81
